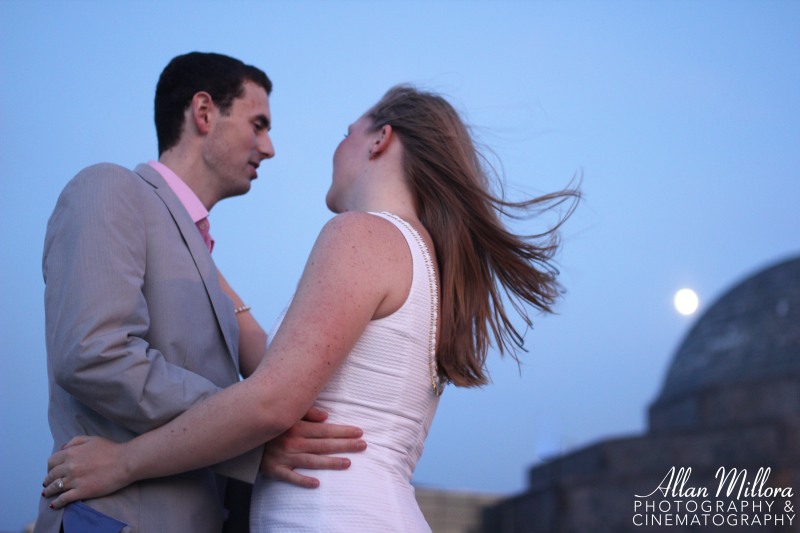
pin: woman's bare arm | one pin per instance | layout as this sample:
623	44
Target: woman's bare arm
252	337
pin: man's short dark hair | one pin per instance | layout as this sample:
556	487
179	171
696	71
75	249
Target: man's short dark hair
219	75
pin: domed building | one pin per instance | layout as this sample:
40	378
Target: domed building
722	449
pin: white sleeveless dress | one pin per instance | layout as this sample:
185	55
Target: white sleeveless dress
384	386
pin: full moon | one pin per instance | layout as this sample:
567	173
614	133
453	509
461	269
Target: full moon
686	301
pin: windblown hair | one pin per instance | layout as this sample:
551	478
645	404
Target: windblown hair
219	75
479	259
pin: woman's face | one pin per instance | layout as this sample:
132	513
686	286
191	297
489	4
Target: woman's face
349	161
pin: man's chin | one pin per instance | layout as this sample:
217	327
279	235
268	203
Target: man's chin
238	191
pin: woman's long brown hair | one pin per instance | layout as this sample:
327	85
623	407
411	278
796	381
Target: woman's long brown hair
479	259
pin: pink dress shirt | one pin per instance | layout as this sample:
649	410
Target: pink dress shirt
189	200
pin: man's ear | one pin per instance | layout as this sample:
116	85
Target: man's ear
381	141
202	109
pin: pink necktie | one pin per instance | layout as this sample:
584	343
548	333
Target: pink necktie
203	225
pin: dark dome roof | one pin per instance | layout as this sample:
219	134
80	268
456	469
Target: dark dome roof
749	334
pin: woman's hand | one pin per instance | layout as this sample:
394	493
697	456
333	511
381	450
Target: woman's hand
86	467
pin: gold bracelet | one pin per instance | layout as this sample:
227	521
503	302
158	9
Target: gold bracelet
241	309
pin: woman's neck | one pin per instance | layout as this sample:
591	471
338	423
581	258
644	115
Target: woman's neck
387	194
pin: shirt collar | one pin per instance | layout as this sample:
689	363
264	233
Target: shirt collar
197	211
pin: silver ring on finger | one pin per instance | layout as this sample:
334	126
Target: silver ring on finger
60	484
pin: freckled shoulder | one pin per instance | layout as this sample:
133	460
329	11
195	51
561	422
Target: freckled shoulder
369	255
365	233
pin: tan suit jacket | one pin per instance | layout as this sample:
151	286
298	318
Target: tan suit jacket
138	330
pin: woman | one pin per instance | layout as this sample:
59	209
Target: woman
402	292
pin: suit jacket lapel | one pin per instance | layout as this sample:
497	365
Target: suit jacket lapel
197	248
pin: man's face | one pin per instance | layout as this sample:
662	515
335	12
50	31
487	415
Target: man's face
238	141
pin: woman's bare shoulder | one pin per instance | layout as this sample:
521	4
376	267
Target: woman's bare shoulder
363	231
367	254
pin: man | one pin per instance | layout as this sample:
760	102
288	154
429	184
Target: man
140	325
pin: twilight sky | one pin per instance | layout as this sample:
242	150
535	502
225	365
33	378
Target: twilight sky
682	116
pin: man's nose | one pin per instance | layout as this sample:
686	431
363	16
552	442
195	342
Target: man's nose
265	147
